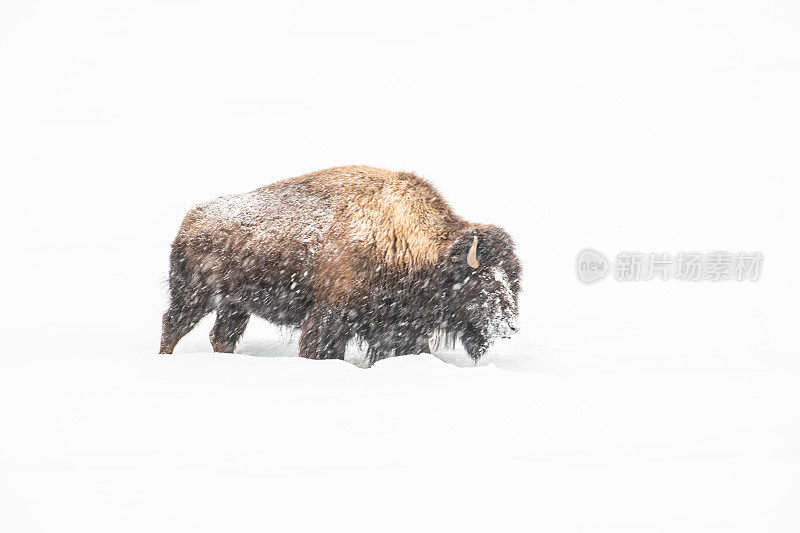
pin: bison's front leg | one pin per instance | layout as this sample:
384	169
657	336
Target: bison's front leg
388	344
423	345
324	334
475	343
412	343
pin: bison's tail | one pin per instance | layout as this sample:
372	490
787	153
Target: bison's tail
177	273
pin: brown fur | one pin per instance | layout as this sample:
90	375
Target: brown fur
310	252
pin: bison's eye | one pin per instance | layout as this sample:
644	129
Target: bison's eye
499	277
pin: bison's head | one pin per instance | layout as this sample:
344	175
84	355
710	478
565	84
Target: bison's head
483	274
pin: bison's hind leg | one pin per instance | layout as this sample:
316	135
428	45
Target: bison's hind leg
178	321
189	302
229	327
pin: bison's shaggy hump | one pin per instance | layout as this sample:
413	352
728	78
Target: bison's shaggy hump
345	252
396	218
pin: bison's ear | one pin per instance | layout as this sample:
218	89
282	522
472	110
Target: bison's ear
472	255
480	246
466	251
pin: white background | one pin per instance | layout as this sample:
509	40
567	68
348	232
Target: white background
654	127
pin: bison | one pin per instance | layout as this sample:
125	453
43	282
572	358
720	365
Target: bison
347	253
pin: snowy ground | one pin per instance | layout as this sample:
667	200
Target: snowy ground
643	126
127	440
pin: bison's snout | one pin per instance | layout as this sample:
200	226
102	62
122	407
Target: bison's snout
507	329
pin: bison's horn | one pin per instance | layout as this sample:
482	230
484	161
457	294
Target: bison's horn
472	259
